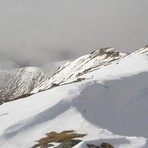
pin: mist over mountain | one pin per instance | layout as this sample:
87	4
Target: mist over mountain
34	33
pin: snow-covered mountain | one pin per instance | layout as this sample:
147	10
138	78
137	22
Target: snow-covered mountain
73	71
22	82
109	100
16	83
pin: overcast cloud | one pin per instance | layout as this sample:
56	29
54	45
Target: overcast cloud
37	32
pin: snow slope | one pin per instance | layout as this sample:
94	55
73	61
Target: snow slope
74	107
73	71
16	83
111	101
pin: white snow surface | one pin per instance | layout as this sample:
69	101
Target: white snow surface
72	71
16	83
109	106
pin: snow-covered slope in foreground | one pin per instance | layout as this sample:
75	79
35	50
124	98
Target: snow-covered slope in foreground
112	102
76	107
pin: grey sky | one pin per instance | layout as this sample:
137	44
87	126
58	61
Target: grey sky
36	32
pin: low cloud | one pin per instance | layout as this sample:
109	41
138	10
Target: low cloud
8	65
34	33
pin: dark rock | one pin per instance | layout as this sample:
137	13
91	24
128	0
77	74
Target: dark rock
103	145
44	146
68	143
1	102
50	145
80	79
93	146
55	84
106	145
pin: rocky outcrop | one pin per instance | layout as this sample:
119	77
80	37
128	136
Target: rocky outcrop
69	143
103	145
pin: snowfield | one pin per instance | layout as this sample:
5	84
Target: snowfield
109	106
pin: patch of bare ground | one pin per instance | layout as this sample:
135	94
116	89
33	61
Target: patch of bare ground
57	137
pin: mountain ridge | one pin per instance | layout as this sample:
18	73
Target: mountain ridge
26	81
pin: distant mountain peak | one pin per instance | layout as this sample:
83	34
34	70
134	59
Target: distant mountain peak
108	52
17	83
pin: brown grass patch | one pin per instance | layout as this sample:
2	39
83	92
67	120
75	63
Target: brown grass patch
57	137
